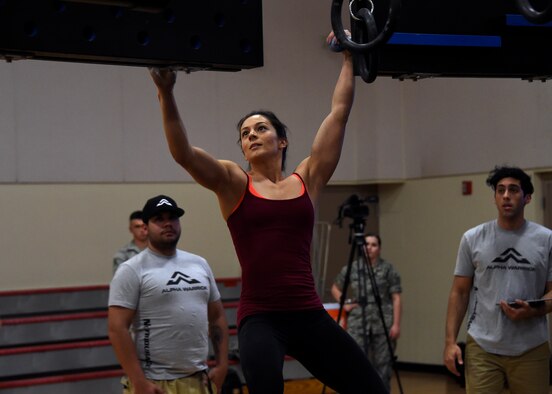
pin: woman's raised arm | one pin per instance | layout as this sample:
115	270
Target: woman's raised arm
318	168
205	169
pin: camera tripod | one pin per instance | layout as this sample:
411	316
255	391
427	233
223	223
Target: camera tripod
358	249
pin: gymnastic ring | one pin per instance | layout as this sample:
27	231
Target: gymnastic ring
367	61
533	15
372	7
381	38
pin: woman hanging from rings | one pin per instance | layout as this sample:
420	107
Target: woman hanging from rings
270	217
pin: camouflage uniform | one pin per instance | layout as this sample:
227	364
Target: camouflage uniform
388	282
125	253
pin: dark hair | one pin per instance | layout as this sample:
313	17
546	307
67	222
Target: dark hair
281	129
501	172
135	215
375	236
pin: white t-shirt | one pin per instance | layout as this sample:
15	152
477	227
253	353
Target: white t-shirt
170	297
505	265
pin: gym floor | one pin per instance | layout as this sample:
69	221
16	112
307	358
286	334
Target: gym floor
412	383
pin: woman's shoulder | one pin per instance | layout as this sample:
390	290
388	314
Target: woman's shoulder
314	181
235	174
230	191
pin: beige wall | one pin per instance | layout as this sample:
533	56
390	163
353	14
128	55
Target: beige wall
65	235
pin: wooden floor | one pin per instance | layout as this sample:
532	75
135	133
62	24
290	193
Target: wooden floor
412	383
426	383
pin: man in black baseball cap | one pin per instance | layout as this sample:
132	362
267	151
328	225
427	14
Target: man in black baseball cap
158	204
169	300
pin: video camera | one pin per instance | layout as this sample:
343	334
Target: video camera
354	208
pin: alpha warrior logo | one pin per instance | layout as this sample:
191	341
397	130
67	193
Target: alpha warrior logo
177	278
510	254
164	201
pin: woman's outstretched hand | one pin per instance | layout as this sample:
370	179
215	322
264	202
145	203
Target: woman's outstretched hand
164	78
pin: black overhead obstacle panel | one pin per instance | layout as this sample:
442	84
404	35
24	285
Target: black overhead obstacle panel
221	35
470	38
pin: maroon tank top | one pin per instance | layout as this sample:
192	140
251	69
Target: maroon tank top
272	239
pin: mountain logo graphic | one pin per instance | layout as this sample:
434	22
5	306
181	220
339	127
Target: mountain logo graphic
164	201
511	254
178	277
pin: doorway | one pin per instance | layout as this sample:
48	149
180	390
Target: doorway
546	179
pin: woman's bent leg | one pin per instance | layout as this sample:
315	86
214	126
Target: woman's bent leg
262	351
334	357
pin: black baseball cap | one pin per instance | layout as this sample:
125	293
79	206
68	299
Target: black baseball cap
159	204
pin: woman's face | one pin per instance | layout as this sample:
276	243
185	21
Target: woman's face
258	138
372	248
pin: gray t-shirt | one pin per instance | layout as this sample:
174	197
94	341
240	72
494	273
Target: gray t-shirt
170	296
505	265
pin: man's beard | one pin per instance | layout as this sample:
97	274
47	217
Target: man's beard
162	244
